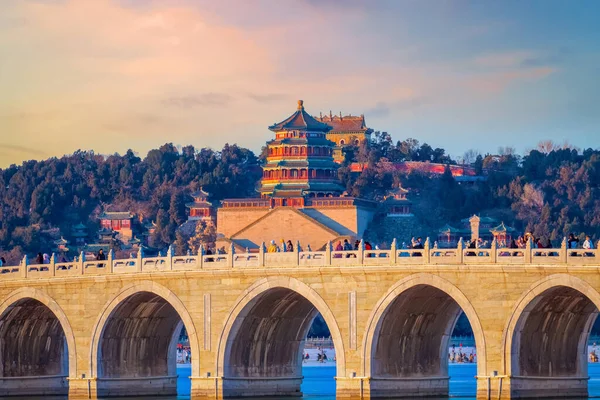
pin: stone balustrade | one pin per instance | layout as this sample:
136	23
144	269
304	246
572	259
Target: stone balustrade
328	257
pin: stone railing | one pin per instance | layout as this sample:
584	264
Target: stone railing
328	257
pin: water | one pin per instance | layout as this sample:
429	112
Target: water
319	382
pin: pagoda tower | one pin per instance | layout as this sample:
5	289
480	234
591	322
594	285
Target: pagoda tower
300	160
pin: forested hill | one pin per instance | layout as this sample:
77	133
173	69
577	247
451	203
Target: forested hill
550	191
61	192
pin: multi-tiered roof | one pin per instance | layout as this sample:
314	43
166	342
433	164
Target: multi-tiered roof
300	159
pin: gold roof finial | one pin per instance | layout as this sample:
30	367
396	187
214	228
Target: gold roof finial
300	104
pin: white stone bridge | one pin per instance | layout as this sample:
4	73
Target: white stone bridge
109	328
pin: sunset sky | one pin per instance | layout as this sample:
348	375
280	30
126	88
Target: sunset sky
109	75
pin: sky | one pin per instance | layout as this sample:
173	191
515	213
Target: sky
109	75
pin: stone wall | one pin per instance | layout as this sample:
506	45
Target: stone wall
232	220
346	217
288	224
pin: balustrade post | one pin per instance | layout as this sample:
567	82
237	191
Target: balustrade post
328	253
261	255
52	266
82	262
170	252
231	257
427	248
139	261
494	251
200	259
297	253
563	251
110	259
528	252
460	246
361	252
394	252
24	266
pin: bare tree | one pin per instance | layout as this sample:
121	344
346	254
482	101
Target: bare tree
470	156
547	146
507	151
529	206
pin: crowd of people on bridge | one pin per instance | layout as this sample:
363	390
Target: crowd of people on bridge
345	245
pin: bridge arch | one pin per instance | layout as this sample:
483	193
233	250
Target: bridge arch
118	317
253	331
568	306
422	309
24	296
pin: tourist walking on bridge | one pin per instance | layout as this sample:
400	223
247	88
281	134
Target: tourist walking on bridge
588	245
272	247
572	242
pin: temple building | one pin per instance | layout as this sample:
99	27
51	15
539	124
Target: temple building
396	203
474	228
301	198
61	246
119	222
79	232
201	209
345	130
299	161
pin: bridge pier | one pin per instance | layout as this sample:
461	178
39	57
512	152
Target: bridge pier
206	387
82	388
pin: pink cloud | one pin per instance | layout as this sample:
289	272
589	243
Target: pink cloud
496	82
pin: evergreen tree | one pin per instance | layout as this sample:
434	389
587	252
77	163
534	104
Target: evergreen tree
181	244
177	209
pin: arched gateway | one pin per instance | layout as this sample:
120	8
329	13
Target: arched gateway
37	345
133	349
405	347
260	347
546	338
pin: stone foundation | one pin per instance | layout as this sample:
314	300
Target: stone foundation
262	387
408	387
351	388
34	386
521	387
206	388
150	386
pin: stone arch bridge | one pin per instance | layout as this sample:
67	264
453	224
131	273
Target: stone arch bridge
108	328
